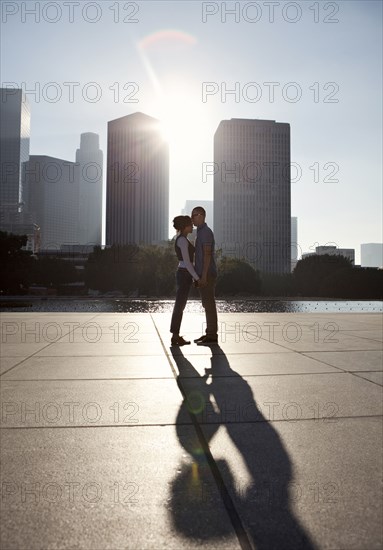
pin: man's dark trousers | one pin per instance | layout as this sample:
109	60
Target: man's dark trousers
208	302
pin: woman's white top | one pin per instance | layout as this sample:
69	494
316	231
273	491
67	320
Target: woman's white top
183	244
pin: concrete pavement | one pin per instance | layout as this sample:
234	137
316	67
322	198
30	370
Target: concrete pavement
111	439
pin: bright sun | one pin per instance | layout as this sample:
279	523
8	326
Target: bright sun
183	123
186	124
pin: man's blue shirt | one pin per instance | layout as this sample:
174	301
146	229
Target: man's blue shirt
205	236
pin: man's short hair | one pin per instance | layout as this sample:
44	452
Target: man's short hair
200	210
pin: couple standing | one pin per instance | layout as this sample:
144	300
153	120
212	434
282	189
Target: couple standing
203	273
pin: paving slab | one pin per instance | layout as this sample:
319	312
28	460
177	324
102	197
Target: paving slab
369	360
39	327
78	327
302	339
89	402
254	364
98	349
90	367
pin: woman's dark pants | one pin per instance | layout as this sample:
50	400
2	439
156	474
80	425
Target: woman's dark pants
184	282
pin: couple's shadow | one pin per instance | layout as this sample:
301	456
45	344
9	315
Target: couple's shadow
221	399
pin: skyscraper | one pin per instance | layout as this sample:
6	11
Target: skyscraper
14	147
53	186
15	124
90	160
252	213
137	188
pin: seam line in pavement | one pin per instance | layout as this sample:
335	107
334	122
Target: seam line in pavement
86	379
171	378
306	353
360	377
325	420
227	501
374	339
77	356
340	369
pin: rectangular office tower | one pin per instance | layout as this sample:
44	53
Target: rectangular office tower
89	157
252	204
14	148
53	189
137	186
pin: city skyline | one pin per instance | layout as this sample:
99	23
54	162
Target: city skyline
86	159
50	200
176	65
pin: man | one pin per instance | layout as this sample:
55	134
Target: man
206	269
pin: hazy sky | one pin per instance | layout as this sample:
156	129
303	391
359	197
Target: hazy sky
324	59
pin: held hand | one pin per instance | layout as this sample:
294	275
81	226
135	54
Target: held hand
202	282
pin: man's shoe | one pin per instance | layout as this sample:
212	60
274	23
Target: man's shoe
209	340
179	341
200	338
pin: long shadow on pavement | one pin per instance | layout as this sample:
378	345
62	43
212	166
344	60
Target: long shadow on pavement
196	499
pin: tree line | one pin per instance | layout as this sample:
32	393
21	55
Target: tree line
150	271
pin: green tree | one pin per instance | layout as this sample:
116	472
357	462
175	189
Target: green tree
149	269
310	272
237	277
15	263
52	272
156	268
358	283
112	268
166	271
278	284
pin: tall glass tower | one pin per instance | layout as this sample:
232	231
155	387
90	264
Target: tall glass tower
137	187
90	160
14	148
252	204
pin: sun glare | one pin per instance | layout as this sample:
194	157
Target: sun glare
187	127
183	122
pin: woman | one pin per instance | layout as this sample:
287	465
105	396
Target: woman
184	275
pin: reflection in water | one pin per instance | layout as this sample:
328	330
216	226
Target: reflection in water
264	505
123	305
